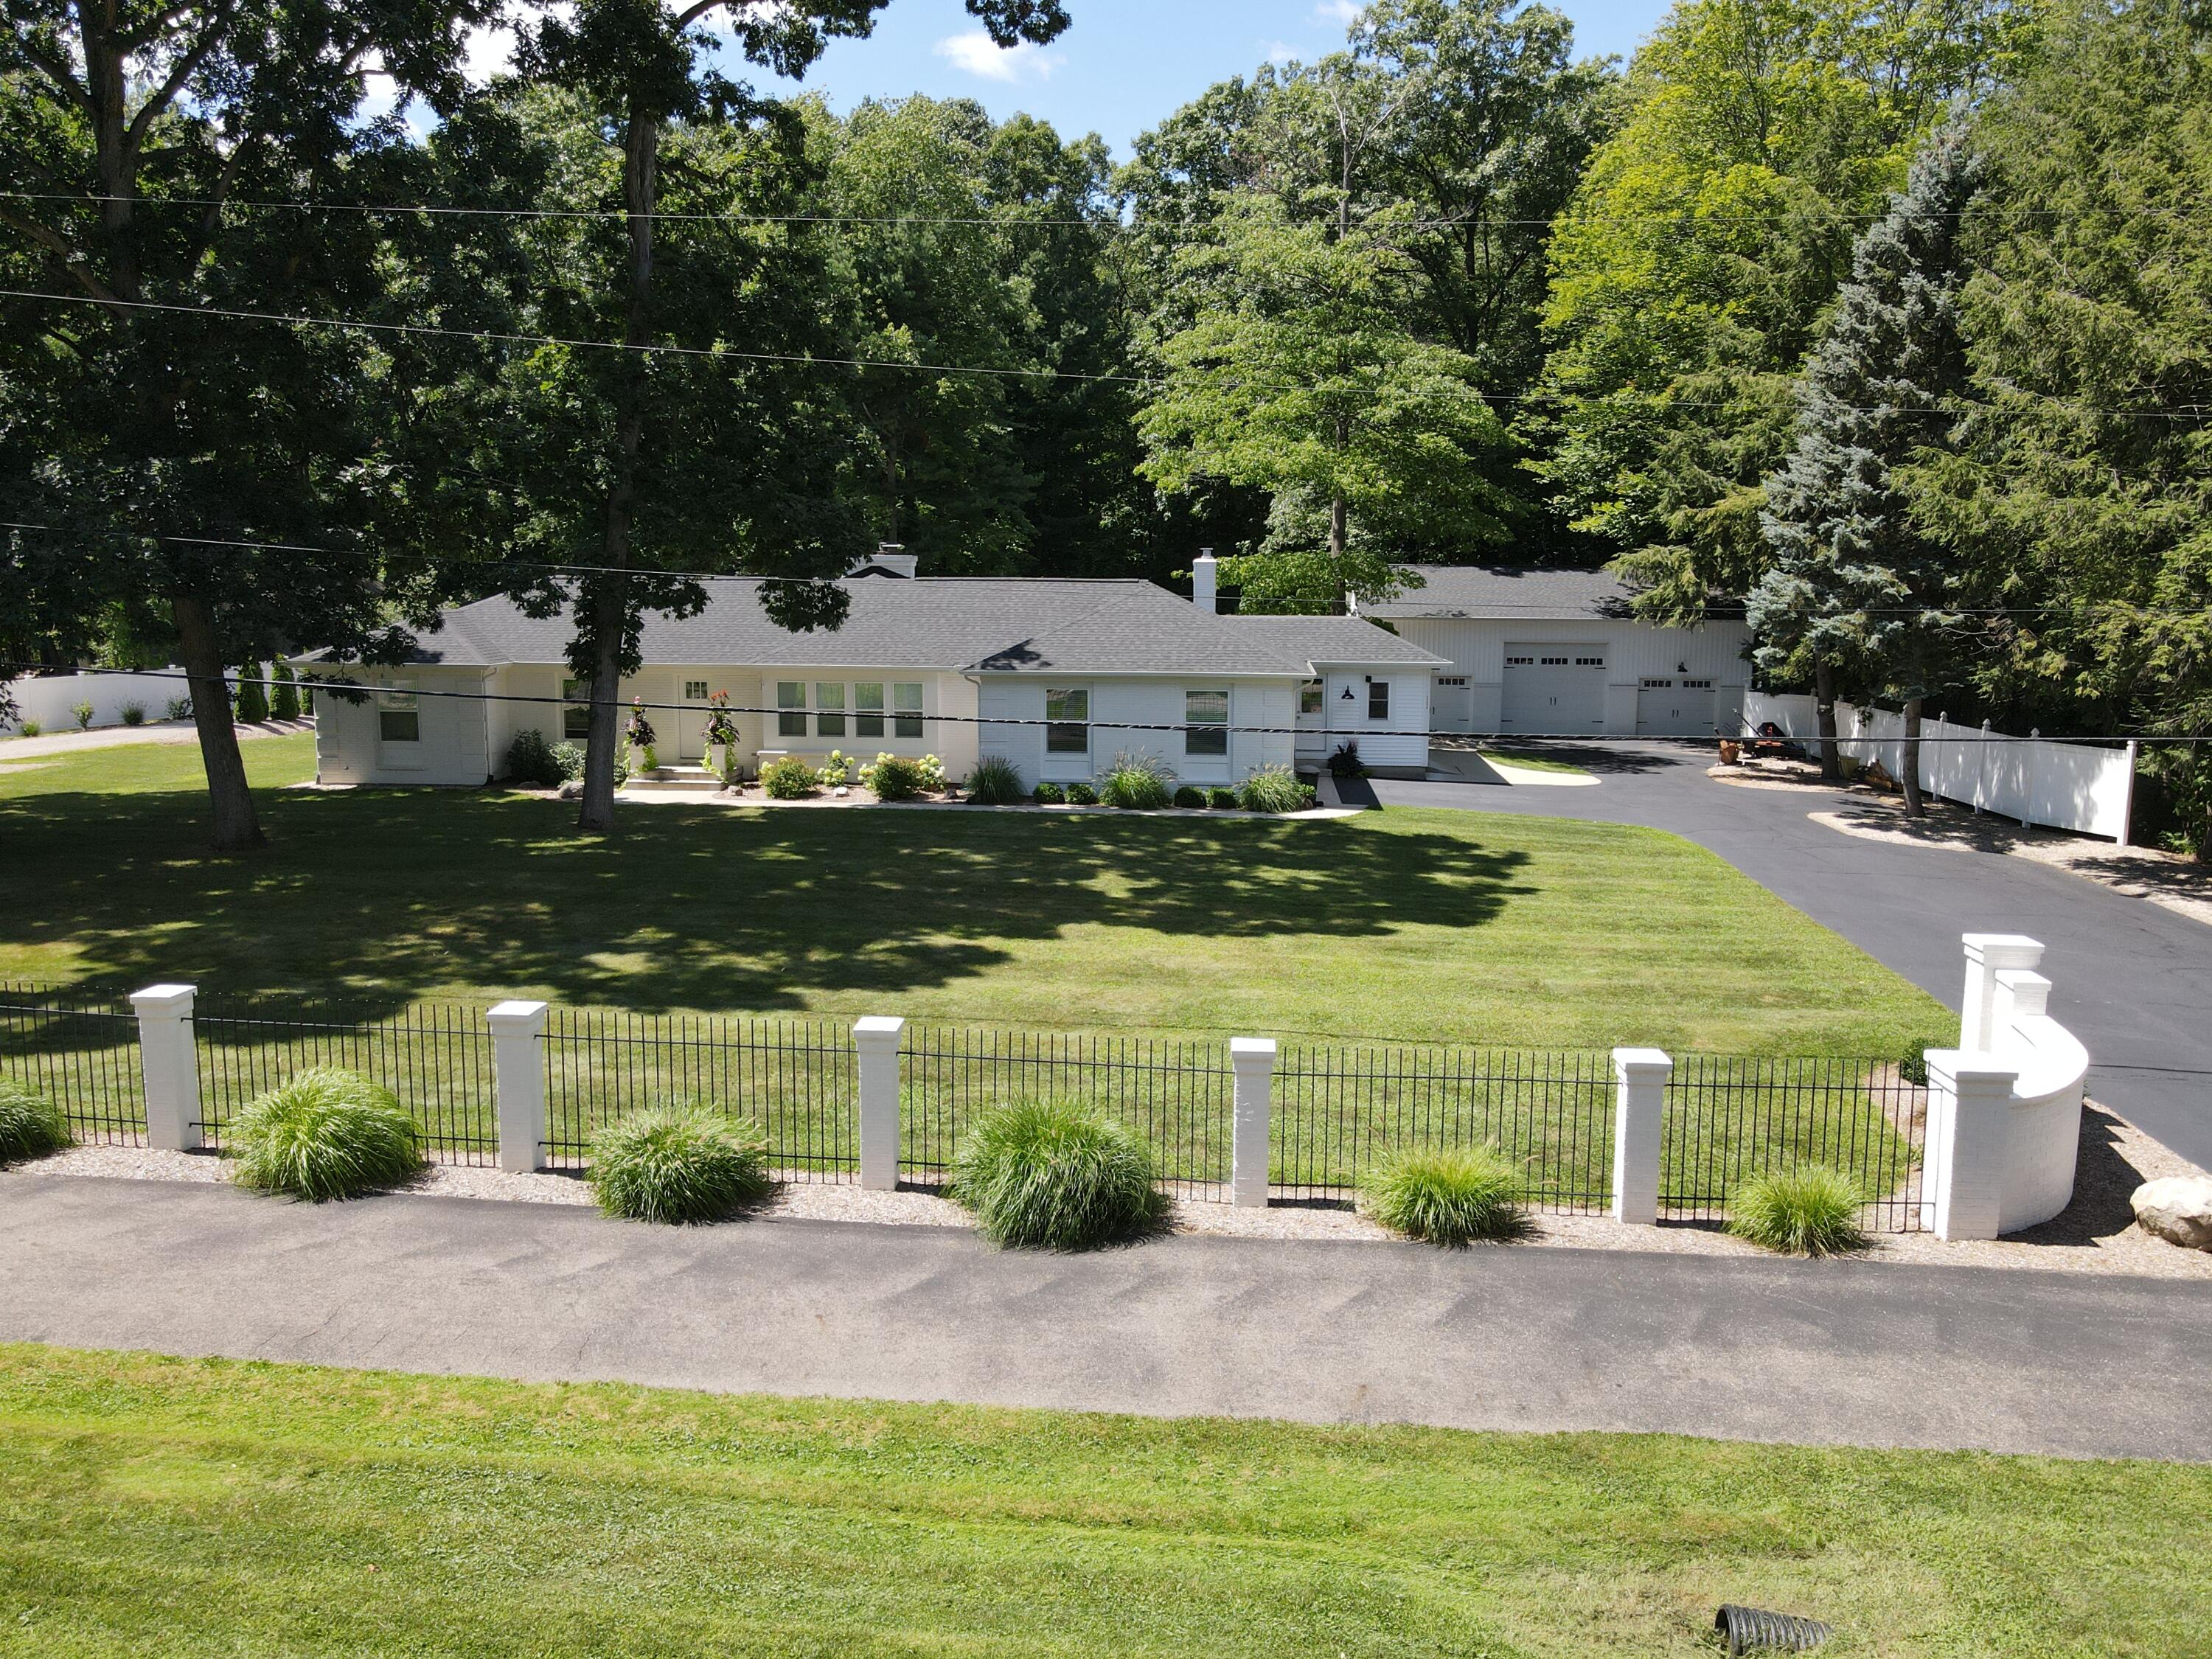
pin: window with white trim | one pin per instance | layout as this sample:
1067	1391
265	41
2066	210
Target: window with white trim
398	718
868	710
829	708
1069	713
1310	697
1206	723
906	709
791	708
694	690
1378	700
576	715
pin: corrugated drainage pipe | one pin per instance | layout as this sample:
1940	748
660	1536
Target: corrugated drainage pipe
1754	1630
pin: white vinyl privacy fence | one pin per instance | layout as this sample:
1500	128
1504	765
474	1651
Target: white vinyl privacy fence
2067	786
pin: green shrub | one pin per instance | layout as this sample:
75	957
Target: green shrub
29	729
83	712
1222	800
1446	1198
1137	782
532	762
1048	794
180	709
894	777
30	1126
1808	1211
1274	789
681	1165
1912	1064
995	782
133	714
284	705
836	772
789	778
569	757
324	1134
1053	1176
252	697
1082	794
1344	760
1187	796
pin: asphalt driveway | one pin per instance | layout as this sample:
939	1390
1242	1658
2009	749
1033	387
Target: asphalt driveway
1836	1352
2133	980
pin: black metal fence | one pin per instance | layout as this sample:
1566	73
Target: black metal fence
792	1079
1730	1118
437	1058
1175	1094
1338	1110
78	1048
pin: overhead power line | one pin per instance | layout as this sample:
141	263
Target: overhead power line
2173	412
1534	607
311	673
998	222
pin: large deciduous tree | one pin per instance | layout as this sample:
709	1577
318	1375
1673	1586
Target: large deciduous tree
642	66
1856	592
140	416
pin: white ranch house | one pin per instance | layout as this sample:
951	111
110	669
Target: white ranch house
1559	653
943	665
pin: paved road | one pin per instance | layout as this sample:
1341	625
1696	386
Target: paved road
1835	1353
2133	980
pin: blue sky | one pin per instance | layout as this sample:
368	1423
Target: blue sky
1124	63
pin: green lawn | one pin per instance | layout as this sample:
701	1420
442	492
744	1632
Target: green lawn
206	1508
1401	925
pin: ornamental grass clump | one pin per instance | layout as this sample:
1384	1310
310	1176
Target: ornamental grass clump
1811	1210
1445	1198
30	1126
324	1134
681	1165
1138	782
1274	789
995	781
1055	1176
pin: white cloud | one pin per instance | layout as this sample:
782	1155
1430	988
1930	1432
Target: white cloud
1277	51
1339	12
977	53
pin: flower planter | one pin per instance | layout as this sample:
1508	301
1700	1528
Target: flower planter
718	761
637	766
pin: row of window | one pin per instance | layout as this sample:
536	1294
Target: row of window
869	716
1067	712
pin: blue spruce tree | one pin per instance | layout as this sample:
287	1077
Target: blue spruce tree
1856	599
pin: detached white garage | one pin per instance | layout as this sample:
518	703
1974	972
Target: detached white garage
1561	653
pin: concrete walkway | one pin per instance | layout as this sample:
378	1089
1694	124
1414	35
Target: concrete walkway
2133	980
1827	1352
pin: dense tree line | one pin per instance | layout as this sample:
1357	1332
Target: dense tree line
1894	322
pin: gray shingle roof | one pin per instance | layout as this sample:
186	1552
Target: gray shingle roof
985	624
1506	592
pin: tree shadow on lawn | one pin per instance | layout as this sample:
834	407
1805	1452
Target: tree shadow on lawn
372	897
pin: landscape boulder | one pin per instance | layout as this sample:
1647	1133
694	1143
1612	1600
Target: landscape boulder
2177	1208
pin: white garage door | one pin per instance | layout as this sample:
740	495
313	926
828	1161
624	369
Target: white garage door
1452	702
1554	689
1667	706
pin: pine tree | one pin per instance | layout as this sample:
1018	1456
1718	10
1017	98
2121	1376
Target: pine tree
1856	596
253	703
284	697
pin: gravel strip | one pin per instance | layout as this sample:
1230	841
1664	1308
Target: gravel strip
2097	1234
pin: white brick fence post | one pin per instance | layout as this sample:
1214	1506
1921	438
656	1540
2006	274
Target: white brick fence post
1969	1117
518	1077
1640	1078
1253	1061
171	1070
1988	955
877	1040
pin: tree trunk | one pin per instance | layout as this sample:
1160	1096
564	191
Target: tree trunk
609	591
236	829
1824	711
1915	806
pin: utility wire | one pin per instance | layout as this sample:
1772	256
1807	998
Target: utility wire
2173	412
1139	227
310	674
1532	606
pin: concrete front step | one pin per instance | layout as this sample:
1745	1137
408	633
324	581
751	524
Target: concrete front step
677	779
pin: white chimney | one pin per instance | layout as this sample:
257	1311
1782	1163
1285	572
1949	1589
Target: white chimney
1202	580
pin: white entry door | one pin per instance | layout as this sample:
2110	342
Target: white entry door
1554	689
1670	706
